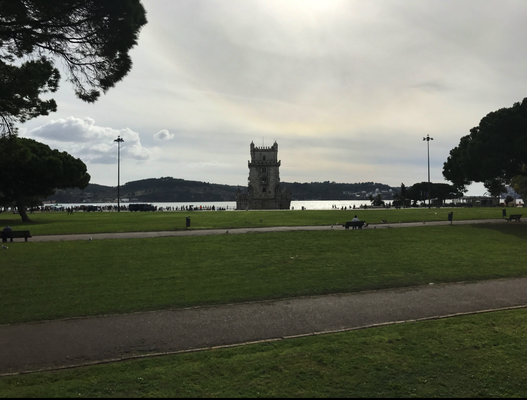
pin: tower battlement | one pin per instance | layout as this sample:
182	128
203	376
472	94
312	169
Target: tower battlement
274	147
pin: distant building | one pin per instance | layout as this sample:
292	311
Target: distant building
264	191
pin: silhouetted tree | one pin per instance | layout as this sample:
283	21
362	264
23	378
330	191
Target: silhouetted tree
441	191
30	170
508	199
519	184
493	153
92	39
376	200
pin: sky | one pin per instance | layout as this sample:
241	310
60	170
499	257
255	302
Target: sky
348	89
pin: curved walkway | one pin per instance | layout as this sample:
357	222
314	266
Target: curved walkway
80	341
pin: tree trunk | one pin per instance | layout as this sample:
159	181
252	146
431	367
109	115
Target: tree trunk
21	205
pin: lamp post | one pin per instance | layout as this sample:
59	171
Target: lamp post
428	138
119	140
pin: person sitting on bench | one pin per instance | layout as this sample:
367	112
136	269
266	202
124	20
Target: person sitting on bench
7	229
355	219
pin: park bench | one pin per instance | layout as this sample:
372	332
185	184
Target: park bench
515	217
355	224
14	235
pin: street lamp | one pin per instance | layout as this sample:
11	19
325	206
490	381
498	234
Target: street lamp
428	138
119	140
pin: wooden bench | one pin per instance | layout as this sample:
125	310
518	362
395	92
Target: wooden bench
14	235
515	217
355	224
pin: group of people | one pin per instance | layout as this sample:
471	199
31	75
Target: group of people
85	208
343	208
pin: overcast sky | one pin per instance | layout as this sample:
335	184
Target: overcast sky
348	89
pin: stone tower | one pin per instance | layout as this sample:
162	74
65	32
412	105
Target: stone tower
264	191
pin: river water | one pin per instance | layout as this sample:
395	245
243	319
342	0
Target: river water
231	205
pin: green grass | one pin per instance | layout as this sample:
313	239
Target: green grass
49	280
472	356
52	223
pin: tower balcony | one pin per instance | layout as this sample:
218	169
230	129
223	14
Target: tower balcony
264	163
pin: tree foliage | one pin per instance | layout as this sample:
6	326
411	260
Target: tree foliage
21	87
519	184
441	191
493	153
376	200
399	197
92	38
30	170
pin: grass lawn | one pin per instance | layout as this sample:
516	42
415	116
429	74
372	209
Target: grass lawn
477	356
52	223
48	280
472	356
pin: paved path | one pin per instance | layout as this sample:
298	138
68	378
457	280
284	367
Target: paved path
207	232
79	341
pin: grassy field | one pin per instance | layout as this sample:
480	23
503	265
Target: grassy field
472	356
476	356
47	280
51	223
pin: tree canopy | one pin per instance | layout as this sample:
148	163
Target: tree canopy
441	191
376	200
92	38
493	153
519	184
30	170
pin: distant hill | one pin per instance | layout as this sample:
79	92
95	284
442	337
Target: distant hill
338	191
168	189
149	190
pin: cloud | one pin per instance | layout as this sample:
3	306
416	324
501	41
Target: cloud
164	135
89	142
348	88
